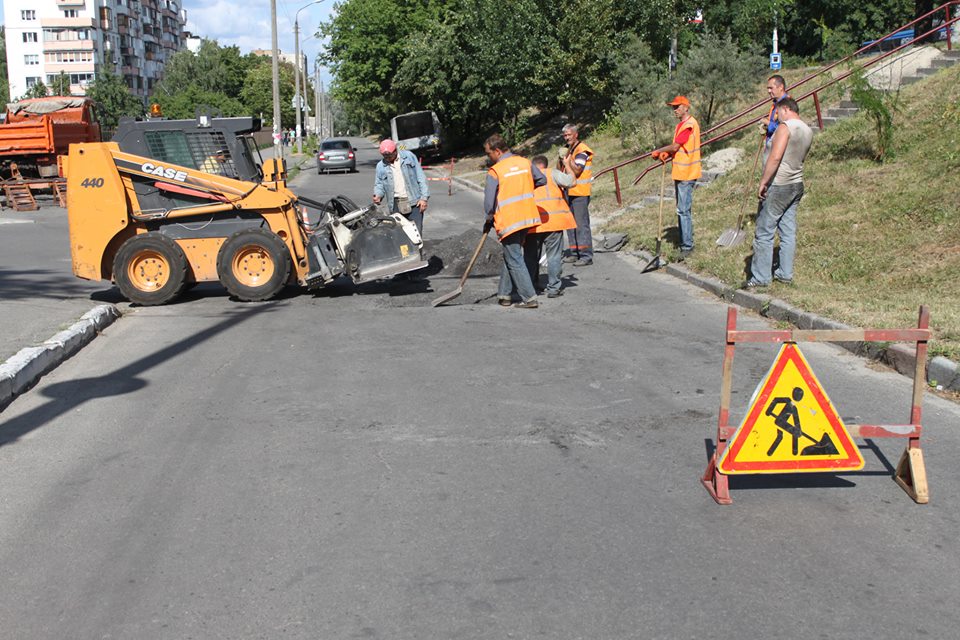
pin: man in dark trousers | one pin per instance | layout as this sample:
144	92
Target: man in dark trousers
578	163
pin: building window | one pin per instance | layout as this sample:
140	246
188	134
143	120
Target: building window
53	35
28	14
29	36
31	59
71	13
60	57
32	80
82	79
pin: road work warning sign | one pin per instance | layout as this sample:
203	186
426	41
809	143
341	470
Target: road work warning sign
791	425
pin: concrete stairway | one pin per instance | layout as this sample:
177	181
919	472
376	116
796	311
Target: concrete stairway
847	108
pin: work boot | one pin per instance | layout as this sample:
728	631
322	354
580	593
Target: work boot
505	302
528	304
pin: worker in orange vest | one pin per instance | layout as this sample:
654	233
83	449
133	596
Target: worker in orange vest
685	150
509	203
555	217
577	162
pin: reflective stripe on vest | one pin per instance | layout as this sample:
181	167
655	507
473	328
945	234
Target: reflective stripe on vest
686	163
516	208
554	213
585	179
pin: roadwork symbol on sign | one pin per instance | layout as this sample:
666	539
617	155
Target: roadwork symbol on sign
791	425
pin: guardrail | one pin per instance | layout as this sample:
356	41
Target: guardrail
815	93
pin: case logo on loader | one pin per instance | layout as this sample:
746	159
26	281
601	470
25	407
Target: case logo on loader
164	172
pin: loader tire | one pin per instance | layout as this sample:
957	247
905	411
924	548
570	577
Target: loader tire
150	269
253	264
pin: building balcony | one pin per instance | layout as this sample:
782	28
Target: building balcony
69	67
68	23
68	45
130	70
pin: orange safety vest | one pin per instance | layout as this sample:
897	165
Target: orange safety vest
516	208
686	162
585	180
555	214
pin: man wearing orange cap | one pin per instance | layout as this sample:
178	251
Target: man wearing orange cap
685	150
400	183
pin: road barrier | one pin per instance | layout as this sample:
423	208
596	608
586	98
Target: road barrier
743	450
448	179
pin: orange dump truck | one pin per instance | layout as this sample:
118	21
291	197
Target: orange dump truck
38	130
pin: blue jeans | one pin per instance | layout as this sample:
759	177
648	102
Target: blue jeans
552	243
581	238
779	213
514	275
683	189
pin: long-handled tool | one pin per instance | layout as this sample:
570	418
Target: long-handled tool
656	262
447	297
736	236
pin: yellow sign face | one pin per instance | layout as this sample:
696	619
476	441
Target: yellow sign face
791	425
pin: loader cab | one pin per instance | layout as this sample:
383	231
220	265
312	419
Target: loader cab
220	146
196	144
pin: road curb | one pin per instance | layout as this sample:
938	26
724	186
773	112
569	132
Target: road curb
942	373
24	368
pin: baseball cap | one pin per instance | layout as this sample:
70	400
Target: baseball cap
388	146
678	101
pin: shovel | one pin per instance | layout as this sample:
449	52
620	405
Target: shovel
736	236
655	262
447	297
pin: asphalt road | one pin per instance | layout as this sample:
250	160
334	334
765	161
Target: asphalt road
356	464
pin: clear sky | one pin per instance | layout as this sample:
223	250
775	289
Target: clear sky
246	23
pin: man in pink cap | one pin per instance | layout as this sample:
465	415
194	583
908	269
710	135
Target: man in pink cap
400	183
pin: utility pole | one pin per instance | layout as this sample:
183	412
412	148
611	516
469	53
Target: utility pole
323	101
318	106
297	98
277	138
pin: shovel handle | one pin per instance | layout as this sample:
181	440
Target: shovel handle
753	172
476	254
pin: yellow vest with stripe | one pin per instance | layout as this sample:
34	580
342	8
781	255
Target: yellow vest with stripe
555	215
585	179
686	162
516	208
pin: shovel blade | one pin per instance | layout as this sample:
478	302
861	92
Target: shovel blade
732	238
447	297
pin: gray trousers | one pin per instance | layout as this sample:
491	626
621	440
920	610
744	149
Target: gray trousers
580	239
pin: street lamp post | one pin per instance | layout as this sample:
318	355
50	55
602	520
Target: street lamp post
296	71
277	148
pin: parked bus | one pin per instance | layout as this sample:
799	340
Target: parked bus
419	132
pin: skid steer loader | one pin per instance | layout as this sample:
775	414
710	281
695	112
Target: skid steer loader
153	227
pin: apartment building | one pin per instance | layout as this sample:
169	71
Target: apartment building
130	38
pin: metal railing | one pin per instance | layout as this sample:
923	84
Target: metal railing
815	93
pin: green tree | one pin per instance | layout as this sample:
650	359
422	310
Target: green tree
480	66
39	90
113	99
213	69
257	93
60	85
368	41
645	122
4	76
714	72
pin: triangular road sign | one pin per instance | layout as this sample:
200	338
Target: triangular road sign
791	425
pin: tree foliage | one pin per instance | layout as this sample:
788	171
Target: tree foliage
60	85
4	78
113	99
38	90
257	93
714	72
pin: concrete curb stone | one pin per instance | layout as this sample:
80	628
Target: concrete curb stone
22	370
941	371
